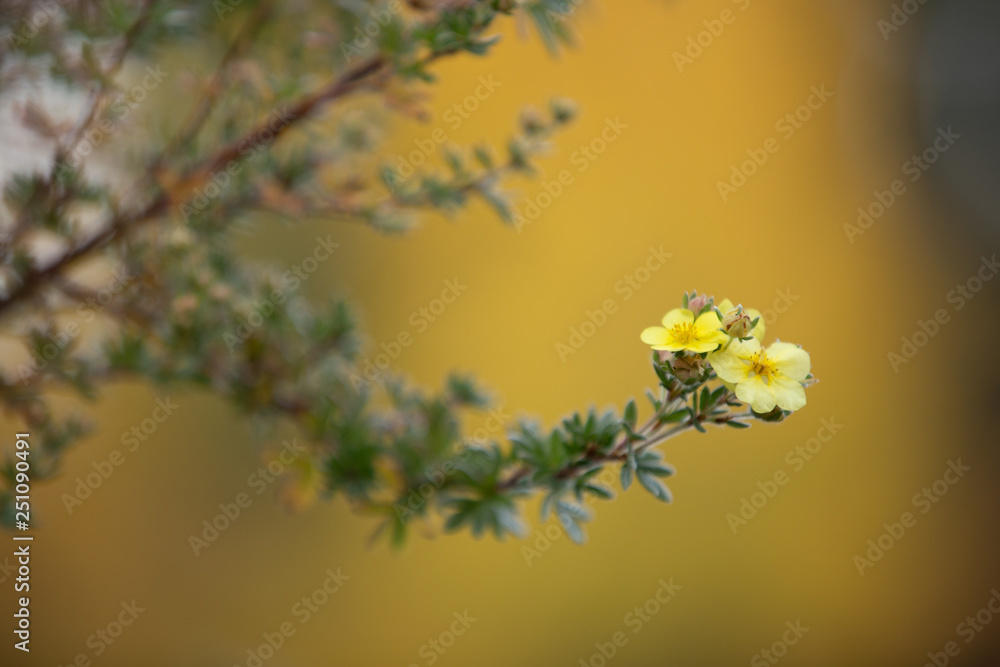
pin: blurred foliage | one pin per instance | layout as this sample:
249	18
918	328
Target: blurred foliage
273	127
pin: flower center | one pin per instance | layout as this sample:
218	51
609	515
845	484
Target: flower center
683	333
762	366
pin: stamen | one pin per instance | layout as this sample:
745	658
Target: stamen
683	333
761	365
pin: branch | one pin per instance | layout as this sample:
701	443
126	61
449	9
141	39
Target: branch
200	112
99	92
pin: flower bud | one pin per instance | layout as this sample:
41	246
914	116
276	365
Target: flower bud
697	302
532	122
688	367
737	323
563	110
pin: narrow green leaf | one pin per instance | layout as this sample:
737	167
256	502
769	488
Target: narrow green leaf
626	475
654	486
631	413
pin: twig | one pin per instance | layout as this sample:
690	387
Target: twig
101	89
202	110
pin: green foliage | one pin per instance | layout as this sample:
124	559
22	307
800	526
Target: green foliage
288	122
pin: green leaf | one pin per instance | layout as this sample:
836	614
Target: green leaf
654	486
570	516
484	156
548	502
651	461
652	399
661	372
695	421
631	413
675	416
626	475
495	513
599	491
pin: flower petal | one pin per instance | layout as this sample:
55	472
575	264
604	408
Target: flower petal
708	344
728	366
757	393
789	394
707	323
745	349
654	336
725	306
790	359
678	316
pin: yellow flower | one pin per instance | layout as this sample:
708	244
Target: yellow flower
681	331
764	378
726	306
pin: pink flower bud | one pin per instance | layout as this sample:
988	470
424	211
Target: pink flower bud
697	302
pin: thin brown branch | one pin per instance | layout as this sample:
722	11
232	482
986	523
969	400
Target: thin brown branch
100	91
266	131
199	114
36	279
354	79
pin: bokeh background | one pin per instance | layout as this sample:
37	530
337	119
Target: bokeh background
778	243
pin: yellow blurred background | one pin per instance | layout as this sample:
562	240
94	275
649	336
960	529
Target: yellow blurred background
778	243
